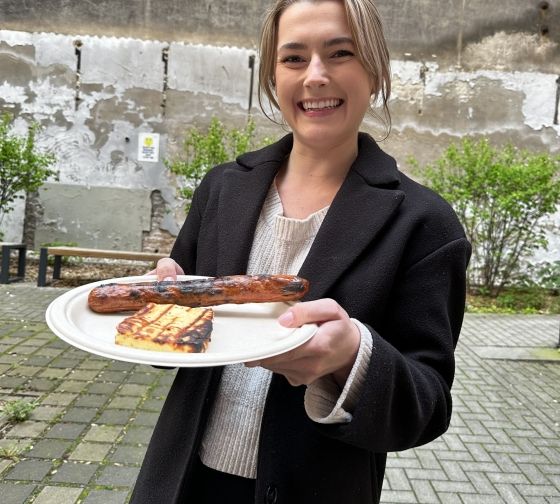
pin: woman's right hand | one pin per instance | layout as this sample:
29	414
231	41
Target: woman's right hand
166	269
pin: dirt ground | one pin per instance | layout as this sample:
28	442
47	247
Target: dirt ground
80	271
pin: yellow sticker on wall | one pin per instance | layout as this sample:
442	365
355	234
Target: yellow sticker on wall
148	147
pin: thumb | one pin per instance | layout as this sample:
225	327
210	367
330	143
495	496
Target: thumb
168	269
307	312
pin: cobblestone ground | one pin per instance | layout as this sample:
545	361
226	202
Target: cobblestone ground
85	440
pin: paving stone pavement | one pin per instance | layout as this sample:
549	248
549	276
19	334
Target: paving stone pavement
85	440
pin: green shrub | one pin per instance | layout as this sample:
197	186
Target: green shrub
22	167
202	150
501	197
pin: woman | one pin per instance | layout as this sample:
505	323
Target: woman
386	262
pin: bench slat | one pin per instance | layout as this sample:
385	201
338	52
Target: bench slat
57	252
108	254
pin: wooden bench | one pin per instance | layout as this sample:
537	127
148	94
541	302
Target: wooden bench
59	252
5	266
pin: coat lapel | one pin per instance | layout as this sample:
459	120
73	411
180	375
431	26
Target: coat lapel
356	216
244	191
362	207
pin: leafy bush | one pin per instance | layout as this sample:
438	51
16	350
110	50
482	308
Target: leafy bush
501	197
202	150
22	167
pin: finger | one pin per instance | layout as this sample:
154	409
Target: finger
308	312
290	360
168	269
294	376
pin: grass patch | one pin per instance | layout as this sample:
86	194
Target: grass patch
524	300
18	410
551	354
10	452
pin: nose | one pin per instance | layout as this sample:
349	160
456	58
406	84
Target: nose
316	74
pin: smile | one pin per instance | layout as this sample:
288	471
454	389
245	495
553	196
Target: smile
315	105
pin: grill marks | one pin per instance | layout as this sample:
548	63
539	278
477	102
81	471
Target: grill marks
110	298
167	327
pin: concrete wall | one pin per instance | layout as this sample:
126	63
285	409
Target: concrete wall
68	210
97	75
420	27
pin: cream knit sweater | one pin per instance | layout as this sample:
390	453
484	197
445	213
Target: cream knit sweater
230	442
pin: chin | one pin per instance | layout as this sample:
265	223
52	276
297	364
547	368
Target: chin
321	137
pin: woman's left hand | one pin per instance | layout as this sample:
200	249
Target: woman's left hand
331	350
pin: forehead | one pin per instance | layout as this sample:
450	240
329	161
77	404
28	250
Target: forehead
308	20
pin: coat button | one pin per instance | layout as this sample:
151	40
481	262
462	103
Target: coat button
271	496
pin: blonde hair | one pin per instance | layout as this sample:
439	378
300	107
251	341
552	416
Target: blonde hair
367	31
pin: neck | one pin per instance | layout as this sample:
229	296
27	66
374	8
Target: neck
310	179
325	165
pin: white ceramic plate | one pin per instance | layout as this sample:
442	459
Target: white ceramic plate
241	333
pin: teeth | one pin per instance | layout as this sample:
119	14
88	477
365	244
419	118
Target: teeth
320	104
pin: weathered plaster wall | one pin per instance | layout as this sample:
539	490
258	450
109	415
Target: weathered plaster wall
92	117
119	222
463	68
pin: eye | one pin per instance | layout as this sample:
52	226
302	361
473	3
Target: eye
343	53
291	59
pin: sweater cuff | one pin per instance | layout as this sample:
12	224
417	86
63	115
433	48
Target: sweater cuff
324	402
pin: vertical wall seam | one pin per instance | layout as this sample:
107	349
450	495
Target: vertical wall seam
165	59
78	52
555	120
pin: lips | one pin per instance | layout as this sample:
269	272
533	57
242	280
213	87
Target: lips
318	105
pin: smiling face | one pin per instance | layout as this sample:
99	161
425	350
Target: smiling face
322	87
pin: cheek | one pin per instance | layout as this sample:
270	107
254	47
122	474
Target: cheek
282	89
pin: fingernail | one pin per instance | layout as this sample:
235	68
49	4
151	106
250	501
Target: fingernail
286	319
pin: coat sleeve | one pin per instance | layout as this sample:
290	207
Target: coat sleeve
184	250
406	399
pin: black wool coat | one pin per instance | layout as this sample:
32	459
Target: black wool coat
394	255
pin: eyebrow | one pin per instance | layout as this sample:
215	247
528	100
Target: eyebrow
328	43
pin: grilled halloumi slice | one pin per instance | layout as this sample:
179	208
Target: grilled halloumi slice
167	328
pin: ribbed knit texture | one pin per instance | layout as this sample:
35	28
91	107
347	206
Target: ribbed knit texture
230	442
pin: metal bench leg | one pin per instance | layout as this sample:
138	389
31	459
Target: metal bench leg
42	276
21	262
57	267
5	271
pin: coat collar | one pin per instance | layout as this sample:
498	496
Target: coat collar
363	205
375	166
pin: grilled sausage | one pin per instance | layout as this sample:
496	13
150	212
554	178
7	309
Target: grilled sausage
236	289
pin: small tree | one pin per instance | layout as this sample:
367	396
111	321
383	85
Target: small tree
501	197
22	167
204	150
